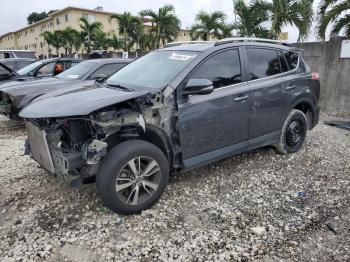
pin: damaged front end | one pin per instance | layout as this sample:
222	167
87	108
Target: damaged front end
76	145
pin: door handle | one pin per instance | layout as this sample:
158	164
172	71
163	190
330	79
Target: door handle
291	87
240	98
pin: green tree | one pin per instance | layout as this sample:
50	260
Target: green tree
251	18
54	39
298	13
115	43
68	39
89	32
36	17
165	24
334	13
207	24
127	23
101	42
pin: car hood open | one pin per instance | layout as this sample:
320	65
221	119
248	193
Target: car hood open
77	103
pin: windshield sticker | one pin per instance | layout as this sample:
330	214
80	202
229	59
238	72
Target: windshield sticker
72	76
175	56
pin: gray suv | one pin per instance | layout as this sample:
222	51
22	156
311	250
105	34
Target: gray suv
175	109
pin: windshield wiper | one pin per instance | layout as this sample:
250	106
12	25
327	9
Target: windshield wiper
121	87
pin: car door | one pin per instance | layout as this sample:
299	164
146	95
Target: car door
270	93
219	120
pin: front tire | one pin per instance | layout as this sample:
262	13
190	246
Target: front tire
293	133
132	177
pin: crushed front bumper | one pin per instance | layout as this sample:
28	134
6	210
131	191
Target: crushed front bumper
44	147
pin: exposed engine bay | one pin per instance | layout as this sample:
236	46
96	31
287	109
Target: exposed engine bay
76	145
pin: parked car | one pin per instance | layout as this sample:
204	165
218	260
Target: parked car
17	63
46	68
175	109
16	95
4	54
6	73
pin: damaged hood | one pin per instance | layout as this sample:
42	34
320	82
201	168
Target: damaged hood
24	93
77	102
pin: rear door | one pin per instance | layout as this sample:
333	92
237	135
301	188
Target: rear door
220	119
272	86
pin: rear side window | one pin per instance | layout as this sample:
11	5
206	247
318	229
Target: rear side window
107	70
292	59
262	63
223	69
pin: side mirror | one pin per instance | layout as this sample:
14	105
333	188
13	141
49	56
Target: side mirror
198	87
100	78
31	74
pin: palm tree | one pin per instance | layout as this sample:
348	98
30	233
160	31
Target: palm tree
297	13
251	18
89	31
115	43
333	12
127	22
101	41
165	24
68	39
53	39
77	40
207	24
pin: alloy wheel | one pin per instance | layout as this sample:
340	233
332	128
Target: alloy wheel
138	180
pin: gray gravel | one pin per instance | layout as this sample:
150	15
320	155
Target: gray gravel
243	208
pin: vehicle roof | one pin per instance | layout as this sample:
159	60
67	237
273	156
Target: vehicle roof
60	59
109	60
18	59
204	46
9	50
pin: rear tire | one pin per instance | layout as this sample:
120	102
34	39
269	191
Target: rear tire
132	177
293	133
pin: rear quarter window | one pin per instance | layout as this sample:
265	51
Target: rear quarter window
292	59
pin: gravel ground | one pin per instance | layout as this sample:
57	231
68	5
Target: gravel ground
244	208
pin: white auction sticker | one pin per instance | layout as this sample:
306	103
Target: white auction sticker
175	56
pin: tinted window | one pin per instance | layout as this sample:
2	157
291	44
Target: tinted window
292	59
78	71
262	63
107	70
223	69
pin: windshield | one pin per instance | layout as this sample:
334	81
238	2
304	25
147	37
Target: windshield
77	71
154	70
25	70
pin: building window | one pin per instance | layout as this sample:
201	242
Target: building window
90	18
58	21
66	18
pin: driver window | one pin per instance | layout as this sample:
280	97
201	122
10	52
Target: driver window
223	69
46	69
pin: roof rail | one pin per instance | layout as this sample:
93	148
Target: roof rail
249	39
186	43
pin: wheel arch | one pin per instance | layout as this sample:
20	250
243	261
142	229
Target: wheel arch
151	134
307	106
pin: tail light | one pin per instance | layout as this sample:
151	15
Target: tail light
315	76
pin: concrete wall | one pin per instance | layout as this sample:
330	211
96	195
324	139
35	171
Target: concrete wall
324	58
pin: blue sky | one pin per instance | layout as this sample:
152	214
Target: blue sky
13	13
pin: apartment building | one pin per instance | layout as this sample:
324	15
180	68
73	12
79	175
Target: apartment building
29	37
